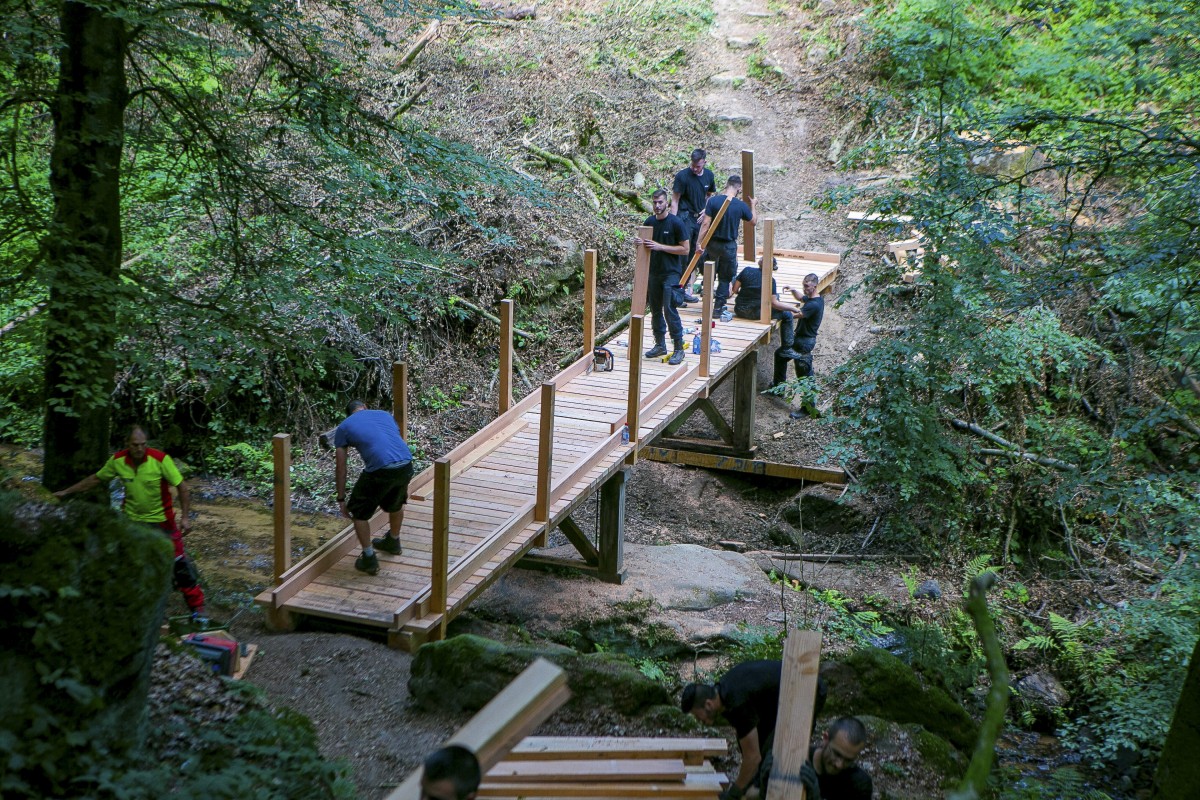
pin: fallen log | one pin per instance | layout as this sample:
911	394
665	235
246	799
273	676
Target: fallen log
456	300
1011	449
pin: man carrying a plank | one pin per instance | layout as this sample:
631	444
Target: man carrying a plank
451	773
693	186
748	698
722	247
831	772
667	247
382	484
747	291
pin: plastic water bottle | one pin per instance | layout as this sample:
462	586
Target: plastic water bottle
696	344
625	434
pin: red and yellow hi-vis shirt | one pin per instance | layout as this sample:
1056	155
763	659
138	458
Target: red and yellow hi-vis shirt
147	485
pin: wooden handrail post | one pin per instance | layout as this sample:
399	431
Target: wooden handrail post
506	355
747	193
281	446
706	322
768	271
589	301
545	462
441	538
400	397
634	399
641	276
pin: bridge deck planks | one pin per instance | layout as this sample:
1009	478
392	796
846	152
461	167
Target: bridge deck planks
493	487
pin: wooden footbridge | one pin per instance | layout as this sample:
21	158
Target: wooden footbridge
484	505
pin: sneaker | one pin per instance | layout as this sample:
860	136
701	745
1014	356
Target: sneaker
786	352
726	315
388	544
688	297
367	563
656	351
676	358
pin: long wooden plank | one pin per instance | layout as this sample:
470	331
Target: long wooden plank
588	769
750	466
797	692
691	751
519	708
693	785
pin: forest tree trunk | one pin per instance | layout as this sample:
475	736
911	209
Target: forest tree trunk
1178	772
83	246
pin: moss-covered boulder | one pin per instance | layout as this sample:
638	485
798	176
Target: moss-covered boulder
465	672
873	681
907	761
82	592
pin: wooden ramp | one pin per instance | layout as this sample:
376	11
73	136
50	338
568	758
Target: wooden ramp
489	501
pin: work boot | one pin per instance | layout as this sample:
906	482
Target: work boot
787	352
388	544
688	297
676	357
367	563
726	315
659	349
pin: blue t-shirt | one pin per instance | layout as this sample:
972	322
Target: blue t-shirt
376	437
727	231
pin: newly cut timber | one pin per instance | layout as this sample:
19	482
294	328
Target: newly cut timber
608	770
750	466
694	785
520	707
797	692
691	751
694	445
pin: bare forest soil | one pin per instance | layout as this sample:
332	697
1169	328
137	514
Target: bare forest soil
588	76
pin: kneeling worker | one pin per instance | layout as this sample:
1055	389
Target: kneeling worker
831	772
748	698
451	773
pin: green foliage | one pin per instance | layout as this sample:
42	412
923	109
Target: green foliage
839	619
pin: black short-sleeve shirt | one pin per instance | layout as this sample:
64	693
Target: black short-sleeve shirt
811	313
849	784
693	190
727	231
668	230
750	697
748	300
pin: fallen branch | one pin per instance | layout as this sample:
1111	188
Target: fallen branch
580	167
1011	449
877	329
551	158
24	315
1177	415
412	98
428	35
832	558
1045	461
458	301
974	783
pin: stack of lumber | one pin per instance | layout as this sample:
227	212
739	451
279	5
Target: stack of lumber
605	767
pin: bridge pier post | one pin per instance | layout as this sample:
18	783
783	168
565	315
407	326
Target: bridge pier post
611	533
745	392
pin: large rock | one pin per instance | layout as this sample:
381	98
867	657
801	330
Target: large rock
873	681
909	749
82	592
464	672
1044	697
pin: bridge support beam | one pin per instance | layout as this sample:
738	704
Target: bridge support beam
611	535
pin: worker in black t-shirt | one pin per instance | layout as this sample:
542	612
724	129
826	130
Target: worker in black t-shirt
667	247
808	322
693	186
747	294
722	247
831	772
748	698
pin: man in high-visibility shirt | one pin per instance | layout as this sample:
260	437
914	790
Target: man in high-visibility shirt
148	476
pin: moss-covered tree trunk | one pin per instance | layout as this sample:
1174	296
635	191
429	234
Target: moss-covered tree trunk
83	247
1179	768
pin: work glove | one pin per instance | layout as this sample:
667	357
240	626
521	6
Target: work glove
734	792
808	778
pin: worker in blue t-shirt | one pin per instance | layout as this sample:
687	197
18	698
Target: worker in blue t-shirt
383	483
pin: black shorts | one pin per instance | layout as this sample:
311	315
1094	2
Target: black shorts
383	488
